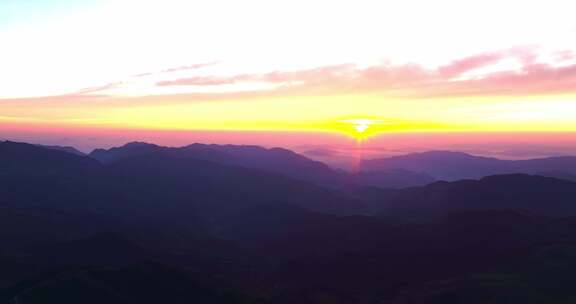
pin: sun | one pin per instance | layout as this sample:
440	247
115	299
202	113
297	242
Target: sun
361	125
361	128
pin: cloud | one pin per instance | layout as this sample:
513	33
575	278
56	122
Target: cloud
317	76
199	81
536	78
96	89
189	67
565	56
480	75
458	67
102	89
516	71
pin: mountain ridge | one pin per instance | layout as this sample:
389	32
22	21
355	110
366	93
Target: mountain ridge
450	165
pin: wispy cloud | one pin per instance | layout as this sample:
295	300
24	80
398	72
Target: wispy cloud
97	89
118	85
486	74
189	67
200	81
531	76
458	67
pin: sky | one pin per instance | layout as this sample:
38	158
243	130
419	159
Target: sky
310	74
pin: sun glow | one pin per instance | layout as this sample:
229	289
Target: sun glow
362	128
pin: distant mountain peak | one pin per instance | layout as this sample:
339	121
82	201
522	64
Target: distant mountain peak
38	159
138	144
450	165
68	149
443	154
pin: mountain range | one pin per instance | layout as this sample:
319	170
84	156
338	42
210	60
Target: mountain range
415	169
211	224
275	160
448	165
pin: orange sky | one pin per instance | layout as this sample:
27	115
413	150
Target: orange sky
223	71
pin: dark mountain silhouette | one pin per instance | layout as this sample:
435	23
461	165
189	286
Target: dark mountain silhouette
19	158
440	164
193	184
539	278
275	160
446	165
536	194
99	249
128	150
558	175
142	283
347	258
25	226
393	178
176	191
65	149
151	224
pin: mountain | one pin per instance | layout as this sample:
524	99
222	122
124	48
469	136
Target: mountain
565	164
154	225
68	149
274	160
35	178
539	195
128	150
558	175
25	158
191	182
447	165
151	190
392	178
144	283
542	277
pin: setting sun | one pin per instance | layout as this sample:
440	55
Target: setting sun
362	128
63	69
